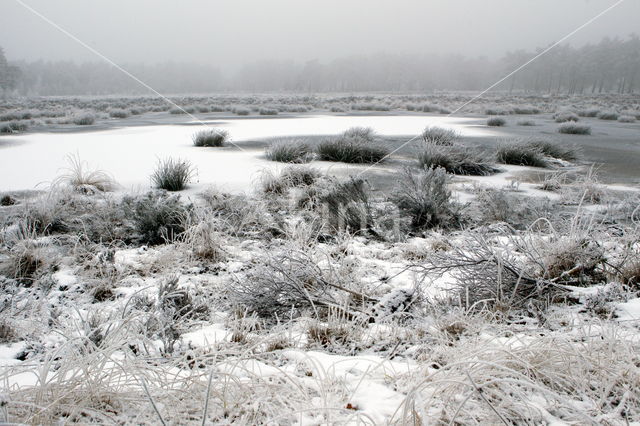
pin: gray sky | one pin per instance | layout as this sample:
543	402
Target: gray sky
229	33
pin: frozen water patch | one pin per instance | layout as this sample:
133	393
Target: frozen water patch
130	154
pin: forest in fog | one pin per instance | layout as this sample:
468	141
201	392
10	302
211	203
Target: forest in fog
610	66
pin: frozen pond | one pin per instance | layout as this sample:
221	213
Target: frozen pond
130	154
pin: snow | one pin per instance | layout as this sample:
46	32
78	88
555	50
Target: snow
9	352
207	336
629	311
365	379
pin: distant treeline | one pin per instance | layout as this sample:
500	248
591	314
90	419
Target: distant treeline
612	65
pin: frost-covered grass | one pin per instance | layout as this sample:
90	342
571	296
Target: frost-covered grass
289	151
520	154
565	116
259	309
496	122
210	137
13	127
627	119
574	129
351	149
439	136
84	120
457	160
172	174
608	115
80	178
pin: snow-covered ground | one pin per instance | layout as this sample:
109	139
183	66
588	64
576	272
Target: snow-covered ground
99	325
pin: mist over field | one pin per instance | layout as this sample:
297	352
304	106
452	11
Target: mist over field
289	212
200	47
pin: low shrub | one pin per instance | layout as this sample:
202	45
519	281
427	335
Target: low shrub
172	174
289	283
520	154
496	122
426	198
526	123
574	129
608	115
456	160
439	136
210	137
289	151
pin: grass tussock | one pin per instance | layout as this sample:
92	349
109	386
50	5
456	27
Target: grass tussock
268	111
496	122
118	113
157	216
555	149
608	115
626	119
425	198
361	133
350	150
434	135
565	116
81	179
574	129
289	151
290	177
210	137
520	154
84	120
172	174
13	127
456	160
346	205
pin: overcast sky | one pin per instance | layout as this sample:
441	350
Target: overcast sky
230	33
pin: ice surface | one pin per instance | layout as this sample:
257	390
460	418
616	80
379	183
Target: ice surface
130	154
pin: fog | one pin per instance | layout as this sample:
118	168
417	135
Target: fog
230	34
